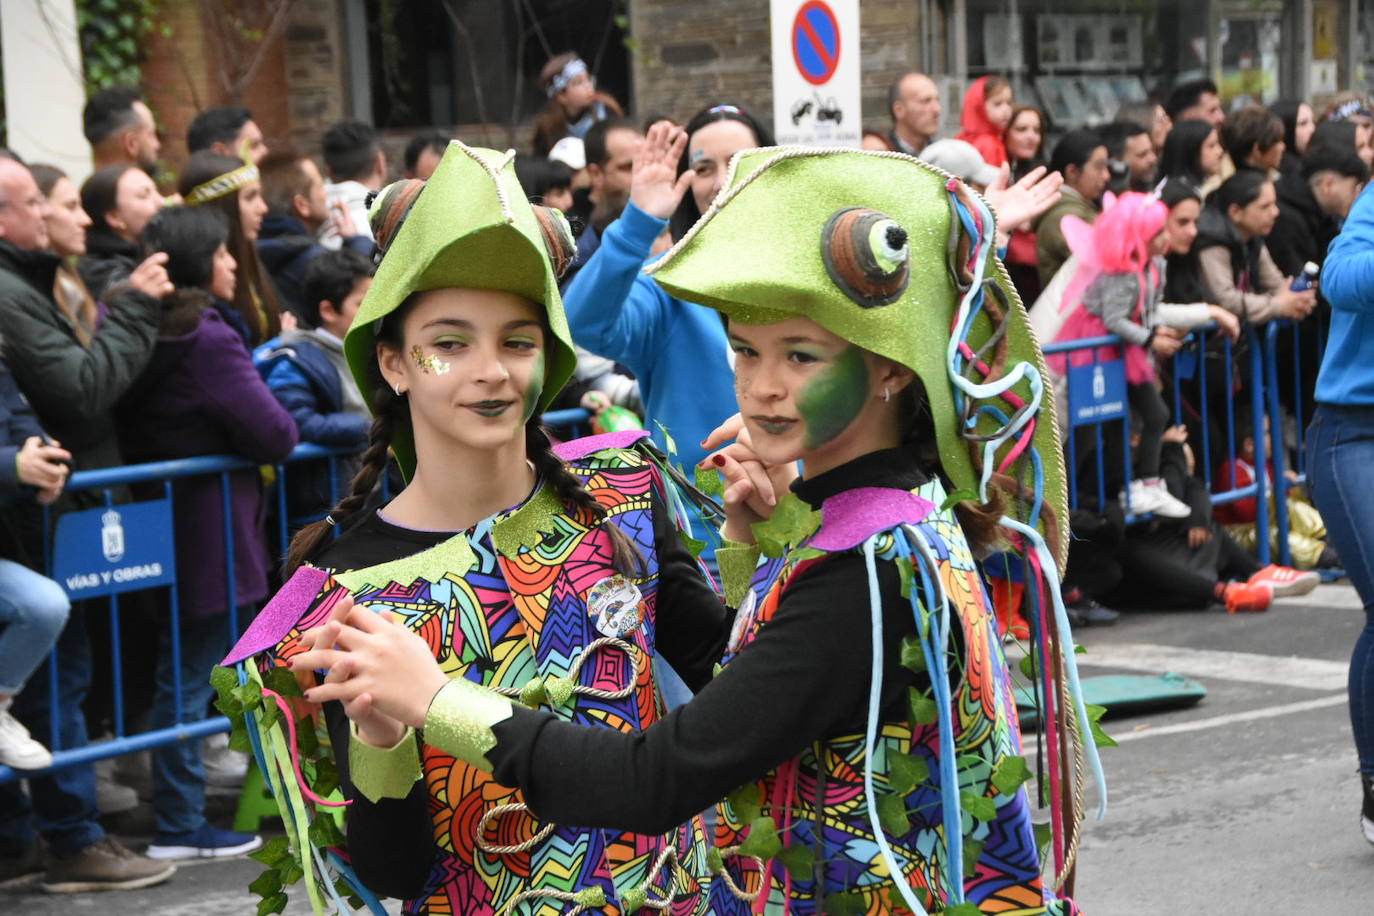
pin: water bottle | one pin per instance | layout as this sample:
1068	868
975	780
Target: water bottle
1307	279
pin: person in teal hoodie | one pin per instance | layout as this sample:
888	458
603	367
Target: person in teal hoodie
1340	455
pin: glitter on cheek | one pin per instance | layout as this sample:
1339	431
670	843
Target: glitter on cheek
428	364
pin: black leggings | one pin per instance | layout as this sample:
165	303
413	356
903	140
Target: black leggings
1154	419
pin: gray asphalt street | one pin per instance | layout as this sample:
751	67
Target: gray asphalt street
1246	803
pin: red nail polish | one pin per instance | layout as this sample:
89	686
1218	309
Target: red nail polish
718	460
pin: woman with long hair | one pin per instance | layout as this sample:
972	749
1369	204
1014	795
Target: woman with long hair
557	576
234	189
1193	153
1298	126
201	395
867	751
120	200
68	223
1025	145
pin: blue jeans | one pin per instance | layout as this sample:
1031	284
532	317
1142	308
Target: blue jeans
1340	474
33	609
178	776
62	806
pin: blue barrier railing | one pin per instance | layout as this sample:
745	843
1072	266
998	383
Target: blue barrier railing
106	481
1190	365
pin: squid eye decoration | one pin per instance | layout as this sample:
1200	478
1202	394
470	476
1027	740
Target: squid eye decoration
558	238
866	254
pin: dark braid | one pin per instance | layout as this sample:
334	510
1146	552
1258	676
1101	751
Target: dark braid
389	410
625	556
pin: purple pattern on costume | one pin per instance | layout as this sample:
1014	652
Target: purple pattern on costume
280	615
852	517
581	448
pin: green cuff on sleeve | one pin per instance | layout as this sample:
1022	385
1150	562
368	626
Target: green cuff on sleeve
383	772
460	719
737	564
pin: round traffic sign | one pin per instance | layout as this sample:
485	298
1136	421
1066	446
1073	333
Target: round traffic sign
816	42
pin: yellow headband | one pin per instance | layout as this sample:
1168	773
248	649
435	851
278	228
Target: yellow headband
221	185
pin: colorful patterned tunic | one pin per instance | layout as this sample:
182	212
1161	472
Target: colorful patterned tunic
825	785
528	603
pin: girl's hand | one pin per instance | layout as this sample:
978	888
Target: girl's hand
1175	434
752	488
1199	536
1019	204
377	661
374	727
1227	322
1167	341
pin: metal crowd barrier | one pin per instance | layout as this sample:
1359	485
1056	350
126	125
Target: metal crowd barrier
1094	403
106	481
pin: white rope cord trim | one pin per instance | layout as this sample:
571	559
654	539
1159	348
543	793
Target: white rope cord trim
630	650
499	811
493	172
595	897
730	883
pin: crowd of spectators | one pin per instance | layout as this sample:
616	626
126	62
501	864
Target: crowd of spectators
141	324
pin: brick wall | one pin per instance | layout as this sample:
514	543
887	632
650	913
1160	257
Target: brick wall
298	91
693	53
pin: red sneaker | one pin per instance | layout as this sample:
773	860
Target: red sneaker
1242	597
1285	582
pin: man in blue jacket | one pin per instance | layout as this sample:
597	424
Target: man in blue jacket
287	243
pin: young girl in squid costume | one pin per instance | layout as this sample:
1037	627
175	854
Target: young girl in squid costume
861	727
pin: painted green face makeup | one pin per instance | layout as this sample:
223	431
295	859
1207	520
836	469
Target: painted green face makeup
834	397
534	389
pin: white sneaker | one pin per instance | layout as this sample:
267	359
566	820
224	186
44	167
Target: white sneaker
17	747
224	768
1153	497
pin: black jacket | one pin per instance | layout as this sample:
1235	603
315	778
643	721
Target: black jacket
1215	228
109	259
1303	231
72	388
286	248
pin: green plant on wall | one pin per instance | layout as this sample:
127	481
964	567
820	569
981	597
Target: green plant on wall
114	37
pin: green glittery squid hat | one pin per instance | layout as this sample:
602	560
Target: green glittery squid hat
896	257
470	225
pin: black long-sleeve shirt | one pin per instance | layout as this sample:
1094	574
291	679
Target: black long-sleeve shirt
803	679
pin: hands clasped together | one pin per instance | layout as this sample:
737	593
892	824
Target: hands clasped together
385	675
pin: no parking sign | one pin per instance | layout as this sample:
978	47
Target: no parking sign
816	92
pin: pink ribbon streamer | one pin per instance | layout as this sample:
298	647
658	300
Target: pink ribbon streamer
295	755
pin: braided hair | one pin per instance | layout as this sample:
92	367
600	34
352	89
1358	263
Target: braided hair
389	410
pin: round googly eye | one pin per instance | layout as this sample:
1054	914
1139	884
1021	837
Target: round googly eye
866	254
558	238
